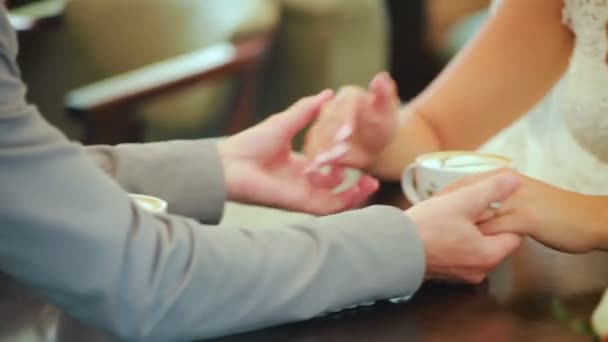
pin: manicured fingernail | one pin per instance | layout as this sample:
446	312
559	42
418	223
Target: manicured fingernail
322	158
311	168
344	133
335	152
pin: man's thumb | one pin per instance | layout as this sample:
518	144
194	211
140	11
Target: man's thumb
476	198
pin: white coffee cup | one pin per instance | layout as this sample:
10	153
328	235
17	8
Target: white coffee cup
432	172
150	203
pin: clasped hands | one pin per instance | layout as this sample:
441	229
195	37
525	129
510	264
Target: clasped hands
351	128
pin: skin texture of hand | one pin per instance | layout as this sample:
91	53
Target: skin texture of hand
261	168
455	248
563	220
356	126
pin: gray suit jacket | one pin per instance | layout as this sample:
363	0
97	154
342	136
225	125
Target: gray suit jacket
69	232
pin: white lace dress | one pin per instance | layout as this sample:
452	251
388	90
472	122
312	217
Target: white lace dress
564	140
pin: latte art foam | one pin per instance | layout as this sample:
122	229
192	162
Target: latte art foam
464	162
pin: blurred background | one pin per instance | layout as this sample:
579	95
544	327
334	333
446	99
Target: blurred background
111	71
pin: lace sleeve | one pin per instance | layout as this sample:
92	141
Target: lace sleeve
567	14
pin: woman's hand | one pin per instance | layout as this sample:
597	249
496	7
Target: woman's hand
563	220
356	126
261	168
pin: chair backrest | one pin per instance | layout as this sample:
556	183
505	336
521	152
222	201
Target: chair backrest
120	35
117	36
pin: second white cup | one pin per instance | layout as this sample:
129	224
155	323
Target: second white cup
150	203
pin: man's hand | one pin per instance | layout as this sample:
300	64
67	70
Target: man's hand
356	126
261	167
563	220
454	246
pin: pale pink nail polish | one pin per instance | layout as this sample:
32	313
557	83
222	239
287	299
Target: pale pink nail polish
336	152
311	168
324	157
344	133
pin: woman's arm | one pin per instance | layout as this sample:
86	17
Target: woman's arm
567	221
519	55
564	220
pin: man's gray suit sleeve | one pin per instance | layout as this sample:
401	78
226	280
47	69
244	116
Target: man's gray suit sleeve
186	174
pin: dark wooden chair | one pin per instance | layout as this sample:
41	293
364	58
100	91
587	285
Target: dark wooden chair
106	107
33	15
413	64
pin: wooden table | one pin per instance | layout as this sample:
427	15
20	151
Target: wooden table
531	297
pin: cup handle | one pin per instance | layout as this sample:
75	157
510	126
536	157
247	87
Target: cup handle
407	184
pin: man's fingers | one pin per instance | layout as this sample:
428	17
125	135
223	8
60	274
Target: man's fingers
358	193
478	197
487	214
507	223
303	112
470	180
503	245
324	201
327	202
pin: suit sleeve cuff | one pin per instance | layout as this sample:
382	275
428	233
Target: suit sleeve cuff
398	263
187	174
